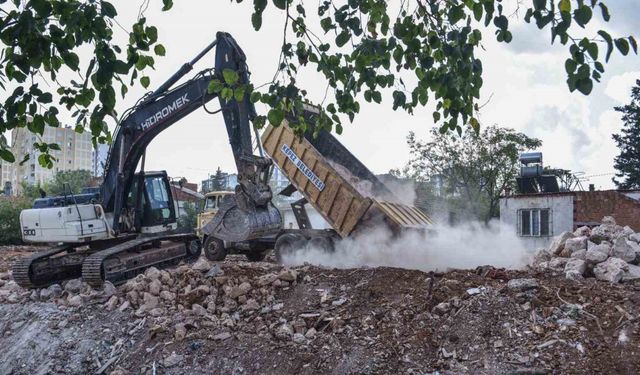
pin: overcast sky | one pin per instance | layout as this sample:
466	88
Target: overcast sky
525	82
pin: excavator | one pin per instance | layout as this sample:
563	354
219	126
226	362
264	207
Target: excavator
129	224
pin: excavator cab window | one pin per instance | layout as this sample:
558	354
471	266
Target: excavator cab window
158	205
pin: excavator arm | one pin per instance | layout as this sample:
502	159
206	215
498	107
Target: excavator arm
250	214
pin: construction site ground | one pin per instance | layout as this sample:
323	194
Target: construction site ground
262	318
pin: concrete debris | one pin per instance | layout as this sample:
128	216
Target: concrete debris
575	268
522	285
611	270
605	252
173	360
73	286
264	318
595	256
559	242
574	244
215	271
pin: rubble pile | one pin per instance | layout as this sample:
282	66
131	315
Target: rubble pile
238	317
608	252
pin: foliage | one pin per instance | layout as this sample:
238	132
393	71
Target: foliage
41	40
30	191
419	51
628	161
67	182
218	182
187	216
471	171
10	230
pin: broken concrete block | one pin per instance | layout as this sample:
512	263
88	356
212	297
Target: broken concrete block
575	268
574	244
626	250
580	254
611	270
520	285
558	242
582	232
632	273
595	256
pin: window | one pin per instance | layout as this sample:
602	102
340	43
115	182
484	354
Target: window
535	222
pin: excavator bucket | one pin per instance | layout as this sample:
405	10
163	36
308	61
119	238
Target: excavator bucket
232	223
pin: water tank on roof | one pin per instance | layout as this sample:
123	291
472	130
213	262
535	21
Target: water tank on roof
531	171
531	157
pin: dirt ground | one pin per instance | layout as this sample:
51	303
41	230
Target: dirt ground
262	318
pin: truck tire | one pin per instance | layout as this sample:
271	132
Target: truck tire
256	256
194	249
287	244
214	249
325	244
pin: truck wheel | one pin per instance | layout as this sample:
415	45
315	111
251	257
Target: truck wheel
214	249
256	256
325	244
194	249
287	244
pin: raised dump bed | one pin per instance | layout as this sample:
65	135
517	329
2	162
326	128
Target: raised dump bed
347	194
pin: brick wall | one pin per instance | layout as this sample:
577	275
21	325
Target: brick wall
591	206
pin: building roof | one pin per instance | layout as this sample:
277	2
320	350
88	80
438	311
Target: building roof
561	193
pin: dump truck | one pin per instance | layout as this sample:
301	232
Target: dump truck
350	198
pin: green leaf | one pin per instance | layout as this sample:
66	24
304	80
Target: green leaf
436	117
159	50
599	67
539	4
501	22
565	5
275	116
7	155
215	86
609	41
605	12
570	66
634	44
238	93
282	4
71	60
326	24
167	4
475	125
255	97
592	49
342	38
108	9
145	81
584	85
54	146
45	98
582	15
256	20
623	46
477	11
230	76
226	93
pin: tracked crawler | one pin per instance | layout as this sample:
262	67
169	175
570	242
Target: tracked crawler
130	222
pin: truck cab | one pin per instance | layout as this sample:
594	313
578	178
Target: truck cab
210	207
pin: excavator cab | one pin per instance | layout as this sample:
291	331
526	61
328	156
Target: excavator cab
156	209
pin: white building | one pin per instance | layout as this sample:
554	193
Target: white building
98	160
538	217
74	154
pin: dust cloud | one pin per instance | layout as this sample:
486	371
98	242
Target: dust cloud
441	248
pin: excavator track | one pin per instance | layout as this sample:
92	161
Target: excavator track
41	269
128	259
